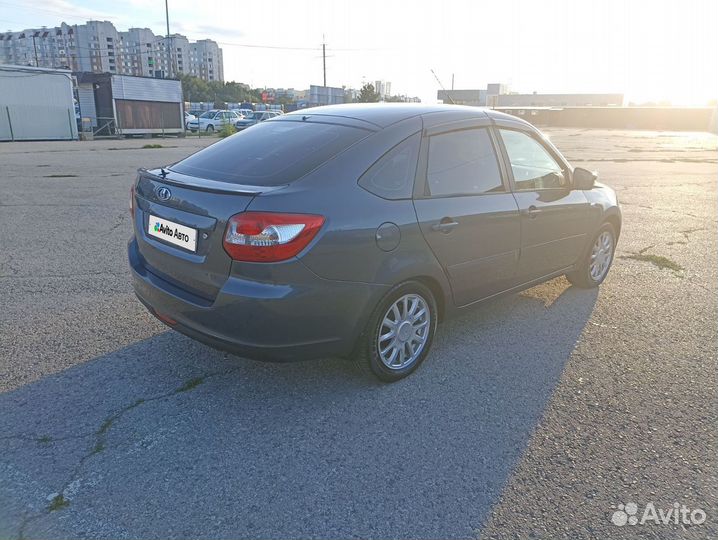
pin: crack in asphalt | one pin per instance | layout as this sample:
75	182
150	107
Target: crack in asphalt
58	500
660	261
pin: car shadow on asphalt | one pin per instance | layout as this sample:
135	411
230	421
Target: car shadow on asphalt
169	438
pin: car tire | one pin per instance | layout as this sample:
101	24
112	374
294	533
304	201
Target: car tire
594	267
210	128
386	358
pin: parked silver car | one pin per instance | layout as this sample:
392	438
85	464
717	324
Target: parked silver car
255	118
213	120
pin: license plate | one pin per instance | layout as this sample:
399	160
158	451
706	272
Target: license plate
174	233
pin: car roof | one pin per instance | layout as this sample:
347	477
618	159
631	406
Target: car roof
386	114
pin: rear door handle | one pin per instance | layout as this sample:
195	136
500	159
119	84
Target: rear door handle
446	225
533	211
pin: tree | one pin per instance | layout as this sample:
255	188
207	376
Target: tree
196	89
368	94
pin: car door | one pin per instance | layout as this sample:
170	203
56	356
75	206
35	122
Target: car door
466	211
554	217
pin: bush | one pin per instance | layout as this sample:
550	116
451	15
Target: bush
227	130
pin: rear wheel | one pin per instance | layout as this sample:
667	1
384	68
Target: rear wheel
399	333
595	265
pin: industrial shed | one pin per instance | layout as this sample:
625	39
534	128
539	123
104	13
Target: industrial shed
127	105
36	104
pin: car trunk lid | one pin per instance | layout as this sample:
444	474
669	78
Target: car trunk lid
168	202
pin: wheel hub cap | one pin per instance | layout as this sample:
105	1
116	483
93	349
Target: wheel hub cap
601	256
403	331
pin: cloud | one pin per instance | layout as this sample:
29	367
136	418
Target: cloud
198	30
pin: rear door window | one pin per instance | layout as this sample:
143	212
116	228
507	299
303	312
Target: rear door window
271	153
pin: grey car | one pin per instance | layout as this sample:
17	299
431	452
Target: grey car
352	230
255	118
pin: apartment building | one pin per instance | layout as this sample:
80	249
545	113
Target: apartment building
383	88
97	46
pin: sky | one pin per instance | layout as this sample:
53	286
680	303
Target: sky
649	50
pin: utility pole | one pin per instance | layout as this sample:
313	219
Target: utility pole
34	46
324	61
452	81
167	18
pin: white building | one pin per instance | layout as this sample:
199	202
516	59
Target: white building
383	88
98	47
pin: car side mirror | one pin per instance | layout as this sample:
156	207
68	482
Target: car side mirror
583	178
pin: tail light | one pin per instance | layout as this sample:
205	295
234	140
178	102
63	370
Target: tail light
132	200
268	236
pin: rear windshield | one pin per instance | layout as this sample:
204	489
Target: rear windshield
270	153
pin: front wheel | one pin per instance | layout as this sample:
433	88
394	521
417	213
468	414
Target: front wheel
399	333
595	265
210	128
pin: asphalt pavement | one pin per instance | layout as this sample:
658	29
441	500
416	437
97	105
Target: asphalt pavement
535	416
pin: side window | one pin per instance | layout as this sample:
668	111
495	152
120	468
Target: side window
532	165
463	163
392	177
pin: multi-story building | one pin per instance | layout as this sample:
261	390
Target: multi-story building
383	88
45	47
97	46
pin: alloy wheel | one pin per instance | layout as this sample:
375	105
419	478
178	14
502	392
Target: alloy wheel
403	331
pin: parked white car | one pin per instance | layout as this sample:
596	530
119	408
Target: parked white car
213	120
188	118
244	113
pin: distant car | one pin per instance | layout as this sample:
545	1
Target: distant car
255	118
350	230
188	118
213	120
244	113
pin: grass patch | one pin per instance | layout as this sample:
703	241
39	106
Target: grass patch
58	502
60	176
106	425
192	383
657	260
99	447
149	146
45	439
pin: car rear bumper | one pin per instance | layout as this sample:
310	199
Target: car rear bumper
282	321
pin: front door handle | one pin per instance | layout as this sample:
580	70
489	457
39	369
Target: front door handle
446	225
533	211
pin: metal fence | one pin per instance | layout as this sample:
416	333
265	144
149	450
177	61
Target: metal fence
37	122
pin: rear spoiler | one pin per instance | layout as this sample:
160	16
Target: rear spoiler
202	184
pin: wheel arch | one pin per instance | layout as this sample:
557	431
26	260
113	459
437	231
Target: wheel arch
614	220
436	289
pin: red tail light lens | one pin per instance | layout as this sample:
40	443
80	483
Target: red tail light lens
268	236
